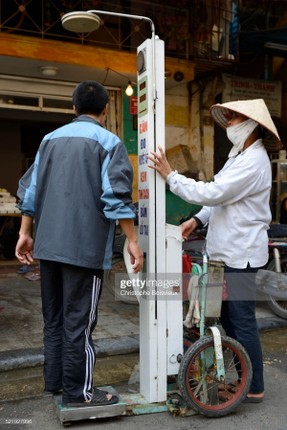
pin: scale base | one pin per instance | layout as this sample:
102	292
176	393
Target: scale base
68	414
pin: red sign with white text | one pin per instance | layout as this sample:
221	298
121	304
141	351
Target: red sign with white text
133	105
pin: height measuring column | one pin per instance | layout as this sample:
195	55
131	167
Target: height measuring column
154	310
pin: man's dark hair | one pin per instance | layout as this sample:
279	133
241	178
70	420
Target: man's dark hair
90	97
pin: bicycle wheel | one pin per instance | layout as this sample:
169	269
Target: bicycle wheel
198	381
277	305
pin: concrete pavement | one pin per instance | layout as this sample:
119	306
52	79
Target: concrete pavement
40	412
116	336
21	324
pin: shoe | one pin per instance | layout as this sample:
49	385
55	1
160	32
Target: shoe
249	399
25	269
34	276
99	399
47	393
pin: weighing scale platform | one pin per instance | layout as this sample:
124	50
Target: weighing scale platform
68	414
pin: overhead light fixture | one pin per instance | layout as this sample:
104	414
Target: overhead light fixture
49	70
129	90
88	21
81	22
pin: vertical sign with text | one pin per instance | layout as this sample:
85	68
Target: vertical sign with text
151	226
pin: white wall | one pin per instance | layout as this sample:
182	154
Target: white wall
189	124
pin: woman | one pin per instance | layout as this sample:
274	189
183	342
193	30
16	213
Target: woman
236	207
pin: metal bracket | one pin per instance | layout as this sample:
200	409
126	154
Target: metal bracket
220	371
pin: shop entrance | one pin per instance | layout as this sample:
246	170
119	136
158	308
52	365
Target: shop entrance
33	109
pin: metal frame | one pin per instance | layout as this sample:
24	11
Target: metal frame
186	33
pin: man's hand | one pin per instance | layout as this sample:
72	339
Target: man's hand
24	249
136	256
25	244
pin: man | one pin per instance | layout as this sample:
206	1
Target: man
236	206
78	186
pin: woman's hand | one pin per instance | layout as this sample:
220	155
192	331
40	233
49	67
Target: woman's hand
188	227
161	165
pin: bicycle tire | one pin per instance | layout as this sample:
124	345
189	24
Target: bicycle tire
278	306
191	382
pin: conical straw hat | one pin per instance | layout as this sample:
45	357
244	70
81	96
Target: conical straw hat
254	109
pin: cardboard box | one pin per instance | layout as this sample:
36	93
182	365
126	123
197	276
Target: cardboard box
180	159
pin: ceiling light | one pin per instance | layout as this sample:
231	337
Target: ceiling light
49	70
129	90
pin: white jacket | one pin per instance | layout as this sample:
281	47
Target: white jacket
236	206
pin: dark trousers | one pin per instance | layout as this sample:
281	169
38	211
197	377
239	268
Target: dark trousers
239	321
70	297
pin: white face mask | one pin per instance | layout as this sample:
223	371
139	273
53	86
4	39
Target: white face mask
238	134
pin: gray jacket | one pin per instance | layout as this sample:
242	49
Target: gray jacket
78	186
